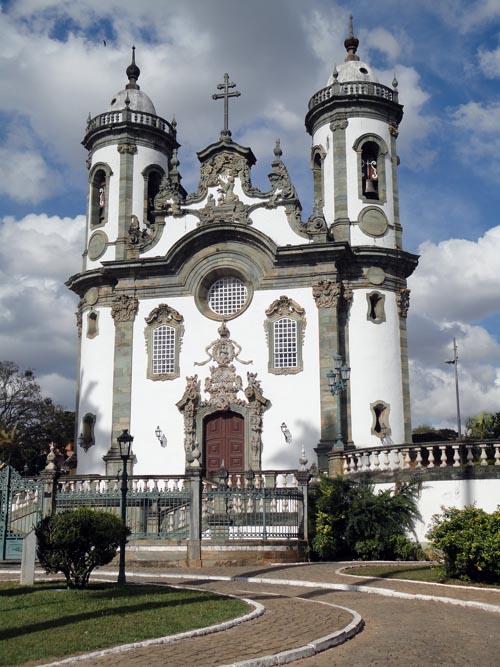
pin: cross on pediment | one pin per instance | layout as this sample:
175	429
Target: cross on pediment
226	87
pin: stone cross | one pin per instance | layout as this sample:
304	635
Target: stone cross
225	95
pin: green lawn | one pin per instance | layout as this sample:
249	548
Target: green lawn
48	621
432	573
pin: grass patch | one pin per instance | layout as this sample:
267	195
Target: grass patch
48	621
431	573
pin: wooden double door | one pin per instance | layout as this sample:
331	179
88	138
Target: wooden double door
223	443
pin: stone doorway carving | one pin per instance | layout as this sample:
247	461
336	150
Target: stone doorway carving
224	387
223	443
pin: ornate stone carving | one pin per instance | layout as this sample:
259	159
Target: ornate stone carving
326	293
164	314
316	226
283	307
223	350
225	163
138	237
347	293
124	308
403	301
227	208
188	405
281	185
171	193
126	148
258	404
339	124
393	129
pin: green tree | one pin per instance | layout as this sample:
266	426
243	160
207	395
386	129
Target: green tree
28	420
353	521
483	425
77	541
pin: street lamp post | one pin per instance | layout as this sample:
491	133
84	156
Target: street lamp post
337	380
125	442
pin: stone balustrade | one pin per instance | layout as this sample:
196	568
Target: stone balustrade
349	88
110	118
263	479
96	484
419	457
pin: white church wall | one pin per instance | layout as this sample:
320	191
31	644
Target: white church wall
482	493
294	398
274	223
144	157
174	230
96	389
110	156
374	357
356	128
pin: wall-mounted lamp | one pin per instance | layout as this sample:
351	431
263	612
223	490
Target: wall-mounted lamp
162	438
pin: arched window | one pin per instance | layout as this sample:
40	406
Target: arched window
372	151
163	332
99	194
317	156
285	326
92	324
376	309
152	180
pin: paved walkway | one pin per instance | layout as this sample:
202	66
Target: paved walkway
398	632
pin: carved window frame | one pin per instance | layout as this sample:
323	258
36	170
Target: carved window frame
92	314
381	317
318	154
383	419
381	171
93	207
285	308
160	316
146	173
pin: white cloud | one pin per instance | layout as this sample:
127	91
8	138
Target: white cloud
489	62
37	322
479	142
25	176
466	15
457	282
382	40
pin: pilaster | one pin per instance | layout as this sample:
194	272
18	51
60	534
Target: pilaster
326	294
341	228
125	185
403	303
393	130
123	310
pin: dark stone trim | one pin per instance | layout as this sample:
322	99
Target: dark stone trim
395	192
351	106
429	474
405	377
340	212
125	195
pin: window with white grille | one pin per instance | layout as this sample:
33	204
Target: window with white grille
285	343
163	349
227	295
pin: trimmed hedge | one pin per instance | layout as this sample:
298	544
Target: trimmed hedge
75	542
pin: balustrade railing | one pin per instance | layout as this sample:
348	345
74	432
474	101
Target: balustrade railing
348	88
420	456
127	115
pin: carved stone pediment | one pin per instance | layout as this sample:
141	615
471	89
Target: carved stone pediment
164	314
284	306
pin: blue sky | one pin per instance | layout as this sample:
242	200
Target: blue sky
55	69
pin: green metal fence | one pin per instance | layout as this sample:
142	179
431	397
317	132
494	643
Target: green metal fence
157	508
21	504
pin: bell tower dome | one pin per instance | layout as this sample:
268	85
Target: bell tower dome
130	151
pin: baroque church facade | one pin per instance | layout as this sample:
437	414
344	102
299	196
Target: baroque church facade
215	320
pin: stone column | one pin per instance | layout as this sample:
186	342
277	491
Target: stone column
195	517
123	310
303	478
393	130
403	302
341	225
125	193
326	294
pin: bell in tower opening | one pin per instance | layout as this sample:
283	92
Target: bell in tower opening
369	157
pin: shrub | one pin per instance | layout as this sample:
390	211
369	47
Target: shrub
469	541
77	541
353	521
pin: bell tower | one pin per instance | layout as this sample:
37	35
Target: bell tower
130	150
354	123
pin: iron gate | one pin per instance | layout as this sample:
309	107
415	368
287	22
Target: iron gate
21	502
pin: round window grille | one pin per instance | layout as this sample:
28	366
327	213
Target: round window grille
227	296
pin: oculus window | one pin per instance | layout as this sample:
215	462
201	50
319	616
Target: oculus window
227	296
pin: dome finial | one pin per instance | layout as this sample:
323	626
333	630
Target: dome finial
132	72
351	43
